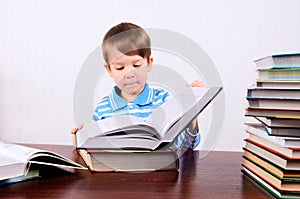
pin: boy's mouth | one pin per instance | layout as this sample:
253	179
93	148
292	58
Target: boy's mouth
131	83
133	86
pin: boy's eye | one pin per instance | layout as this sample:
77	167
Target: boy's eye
120	68
137	65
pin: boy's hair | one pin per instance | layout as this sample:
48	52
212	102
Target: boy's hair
128	39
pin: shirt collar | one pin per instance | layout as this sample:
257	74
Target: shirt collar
118	102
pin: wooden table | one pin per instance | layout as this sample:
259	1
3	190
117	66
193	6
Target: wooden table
217	175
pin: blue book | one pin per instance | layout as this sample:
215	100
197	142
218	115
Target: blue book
32	174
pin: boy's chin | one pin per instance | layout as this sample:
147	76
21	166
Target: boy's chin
133	88
133	93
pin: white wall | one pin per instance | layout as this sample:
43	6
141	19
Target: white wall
43	44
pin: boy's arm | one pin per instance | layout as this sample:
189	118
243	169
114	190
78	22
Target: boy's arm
192	135
73	132
193	126
188	139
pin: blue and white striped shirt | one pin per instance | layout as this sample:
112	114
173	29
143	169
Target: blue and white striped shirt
142	106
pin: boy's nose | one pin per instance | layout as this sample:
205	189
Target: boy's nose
130	73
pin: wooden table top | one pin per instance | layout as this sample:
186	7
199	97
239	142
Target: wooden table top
216	175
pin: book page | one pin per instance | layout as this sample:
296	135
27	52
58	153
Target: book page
183	107
28	154
7	160
111	125
19	152
192	102
119	122
164	116
11	167
50	158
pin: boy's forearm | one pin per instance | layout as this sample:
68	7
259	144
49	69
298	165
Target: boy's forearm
193	127
192	137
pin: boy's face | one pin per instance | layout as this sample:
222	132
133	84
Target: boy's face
130	74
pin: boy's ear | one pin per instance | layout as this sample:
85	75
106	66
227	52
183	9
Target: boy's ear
107	67
150	61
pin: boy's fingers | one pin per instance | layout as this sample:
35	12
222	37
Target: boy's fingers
74	131
197	83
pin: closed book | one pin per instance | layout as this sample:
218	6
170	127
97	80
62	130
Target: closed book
271	167
259	130
287	184
279	122
271	189
290	153
286	74
281	93
274	103
290	135
272	156
278	84
272	112
129	160
279	61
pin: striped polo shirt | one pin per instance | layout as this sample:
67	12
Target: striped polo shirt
142	106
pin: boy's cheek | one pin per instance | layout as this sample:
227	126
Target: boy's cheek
120	82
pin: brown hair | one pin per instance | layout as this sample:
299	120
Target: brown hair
128	39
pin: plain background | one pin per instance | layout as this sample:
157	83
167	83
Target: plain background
43	45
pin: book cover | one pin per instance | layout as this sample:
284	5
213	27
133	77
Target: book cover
286	74
30	175
272	112
271	167
276	158
287	184
275	192
277	92
130	160
289	153
282	60
260	130
274	103
278	84
279	122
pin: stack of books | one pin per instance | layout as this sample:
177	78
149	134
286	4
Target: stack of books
272	150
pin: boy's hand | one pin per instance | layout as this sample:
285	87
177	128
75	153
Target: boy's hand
196	83
193	126
73	132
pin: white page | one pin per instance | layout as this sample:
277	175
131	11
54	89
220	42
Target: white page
7	160
11	167
23	154
19	152
175	108
101	127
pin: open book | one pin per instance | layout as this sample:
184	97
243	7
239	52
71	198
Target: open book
163	125
16	160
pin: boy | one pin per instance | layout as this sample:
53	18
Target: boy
127	53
